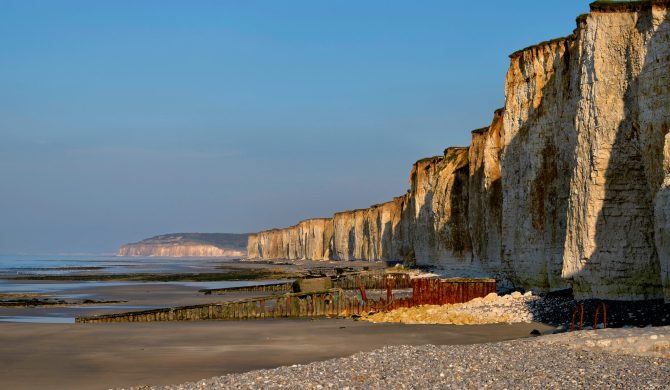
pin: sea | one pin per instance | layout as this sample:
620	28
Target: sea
103	264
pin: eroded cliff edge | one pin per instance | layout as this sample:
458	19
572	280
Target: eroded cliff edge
188	245
567	187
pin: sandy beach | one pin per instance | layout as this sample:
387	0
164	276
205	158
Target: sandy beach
101	356
123	355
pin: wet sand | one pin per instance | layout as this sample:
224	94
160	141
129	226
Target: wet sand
145	295
100	356
131	297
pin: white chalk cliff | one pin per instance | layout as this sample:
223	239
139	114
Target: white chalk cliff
568	187
188	245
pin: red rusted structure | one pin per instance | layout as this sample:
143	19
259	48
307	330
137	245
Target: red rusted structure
580	308
433	291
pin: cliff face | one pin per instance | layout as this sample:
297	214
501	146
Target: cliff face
373	233
568	187
485	194
188	245
439	209
310	239
185	250
428	224
538	139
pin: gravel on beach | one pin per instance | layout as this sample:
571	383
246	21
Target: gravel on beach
519	364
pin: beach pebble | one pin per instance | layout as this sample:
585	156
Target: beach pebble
503	365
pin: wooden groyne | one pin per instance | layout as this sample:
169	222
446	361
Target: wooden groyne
313	304
273	287
329	303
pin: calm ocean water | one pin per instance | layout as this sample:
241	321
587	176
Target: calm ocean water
73	264
23	265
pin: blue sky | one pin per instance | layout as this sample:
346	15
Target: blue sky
124	119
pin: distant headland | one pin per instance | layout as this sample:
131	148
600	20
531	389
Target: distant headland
188	245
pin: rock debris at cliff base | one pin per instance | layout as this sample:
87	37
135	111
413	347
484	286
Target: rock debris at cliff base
547	362
552	309
491	309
